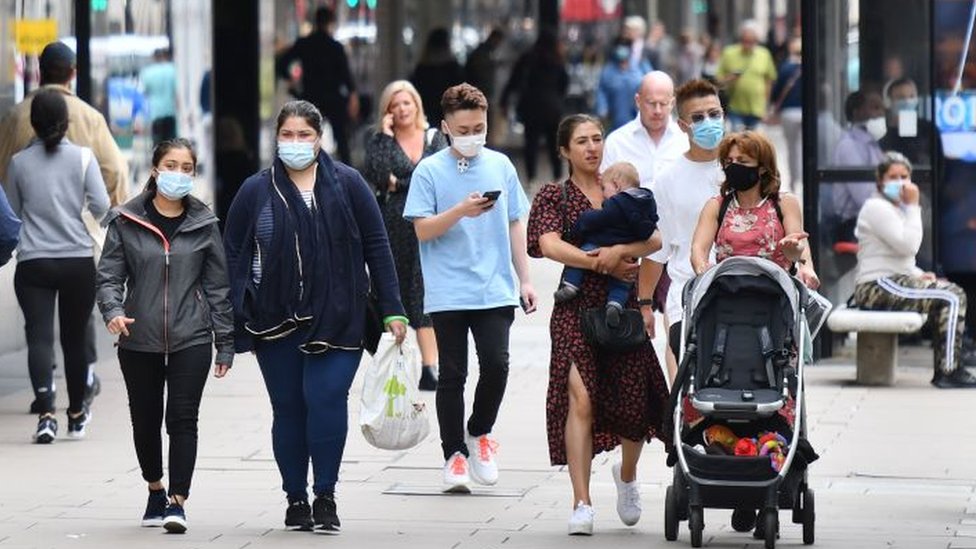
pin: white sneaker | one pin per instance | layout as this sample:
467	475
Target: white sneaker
628	498
456	477
581	521
481	452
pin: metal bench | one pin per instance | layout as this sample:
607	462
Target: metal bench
877	339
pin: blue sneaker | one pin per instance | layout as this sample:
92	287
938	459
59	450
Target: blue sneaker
175	519
155	509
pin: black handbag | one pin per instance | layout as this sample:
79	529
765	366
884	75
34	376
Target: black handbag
629	335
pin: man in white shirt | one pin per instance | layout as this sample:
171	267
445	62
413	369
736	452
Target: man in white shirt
652	140
681	191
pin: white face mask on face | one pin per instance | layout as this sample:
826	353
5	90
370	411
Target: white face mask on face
469	145
877	127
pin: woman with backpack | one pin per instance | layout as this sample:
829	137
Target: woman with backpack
750	216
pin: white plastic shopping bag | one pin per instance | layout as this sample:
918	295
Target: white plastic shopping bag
392	415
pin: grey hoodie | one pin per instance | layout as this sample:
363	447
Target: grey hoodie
177	291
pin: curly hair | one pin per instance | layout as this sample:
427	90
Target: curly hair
759	147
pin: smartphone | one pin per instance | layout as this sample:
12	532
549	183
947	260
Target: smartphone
491	195
524	305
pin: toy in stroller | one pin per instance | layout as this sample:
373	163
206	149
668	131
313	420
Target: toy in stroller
738	401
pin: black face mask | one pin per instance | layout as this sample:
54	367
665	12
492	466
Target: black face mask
741	178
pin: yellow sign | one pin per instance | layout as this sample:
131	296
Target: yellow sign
33	34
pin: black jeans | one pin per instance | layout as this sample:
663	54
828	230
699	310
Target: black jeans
534	133
490	328
163	129
184	376
70	282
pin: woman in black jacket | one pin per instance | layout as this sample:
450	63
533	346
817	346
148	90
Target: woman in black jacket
163	288
299	237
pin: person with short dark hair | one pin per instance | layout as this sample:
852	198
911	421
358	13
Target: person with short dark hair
436	71
300	236
466	205
165	240
327	80
50	182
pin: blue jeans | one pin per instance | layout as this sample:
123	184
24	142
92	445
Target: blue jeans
619	290
309	397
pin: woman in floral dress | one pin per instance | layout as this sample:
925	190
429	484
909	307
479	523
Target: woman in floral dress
400	142
596	400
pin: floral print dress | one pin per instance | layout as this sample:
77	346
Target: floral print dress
628	390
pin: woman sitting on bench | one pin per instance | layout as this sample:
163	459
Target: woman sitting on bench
889	229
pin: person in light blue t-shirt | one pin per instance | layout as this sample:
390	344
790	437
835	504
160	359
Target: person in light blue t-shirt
466	204
159	86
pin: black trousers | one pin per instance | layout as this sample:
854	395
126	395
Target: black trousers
534	133
490	328
163	129
39	284
183	377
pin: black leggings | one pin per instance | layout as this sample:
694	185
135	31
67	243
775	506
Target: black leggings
70	282
184	376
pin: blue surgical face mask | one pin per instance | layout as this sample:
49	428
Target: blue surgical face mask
620	53
297	155
907	104
708	133
892	190
174	185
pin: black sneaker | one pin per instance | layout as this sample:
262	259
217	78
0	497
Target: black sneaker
155	509
613	314
77	425
428	379
174	520
298	515
565	292
324	513
958	378
47	429
743	519
92	391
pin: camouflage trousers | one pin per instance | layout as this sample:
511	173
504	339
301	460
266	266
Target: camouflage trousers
943	302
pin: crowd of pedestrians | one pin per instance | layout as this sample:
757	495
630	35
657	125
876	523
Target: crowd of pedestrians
661	185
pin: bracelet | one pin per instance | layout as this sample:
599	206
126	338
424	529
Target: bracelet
388	319
643	302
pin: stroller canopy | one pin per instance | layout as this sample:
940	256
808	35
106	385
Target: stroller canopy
743	266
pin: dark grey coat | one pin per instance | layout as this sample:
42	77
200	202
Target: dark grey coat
177	292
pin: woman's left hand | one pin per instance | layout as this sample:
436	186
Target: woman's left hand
399	330
220	370
928	276
792	245
808	277
607	259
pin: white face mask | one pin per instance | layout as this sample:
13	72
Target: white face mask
877	127
469	145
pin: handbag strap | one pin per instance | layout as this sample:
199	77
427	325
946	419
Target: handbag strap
786	90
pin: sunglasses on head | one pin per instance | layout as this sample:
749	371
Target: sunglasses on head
714	114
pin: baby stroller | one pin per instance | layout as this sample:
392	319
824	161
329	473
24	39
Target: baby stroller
738	401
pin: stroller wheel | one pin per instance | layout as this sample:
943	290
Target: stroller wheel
670	515
696	523
809	516
743	519
771	527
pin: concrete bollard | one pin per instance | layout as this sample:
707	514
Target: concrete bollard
877	358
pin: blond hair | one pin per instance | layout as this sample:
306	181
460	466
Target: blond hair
386	98
623	174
